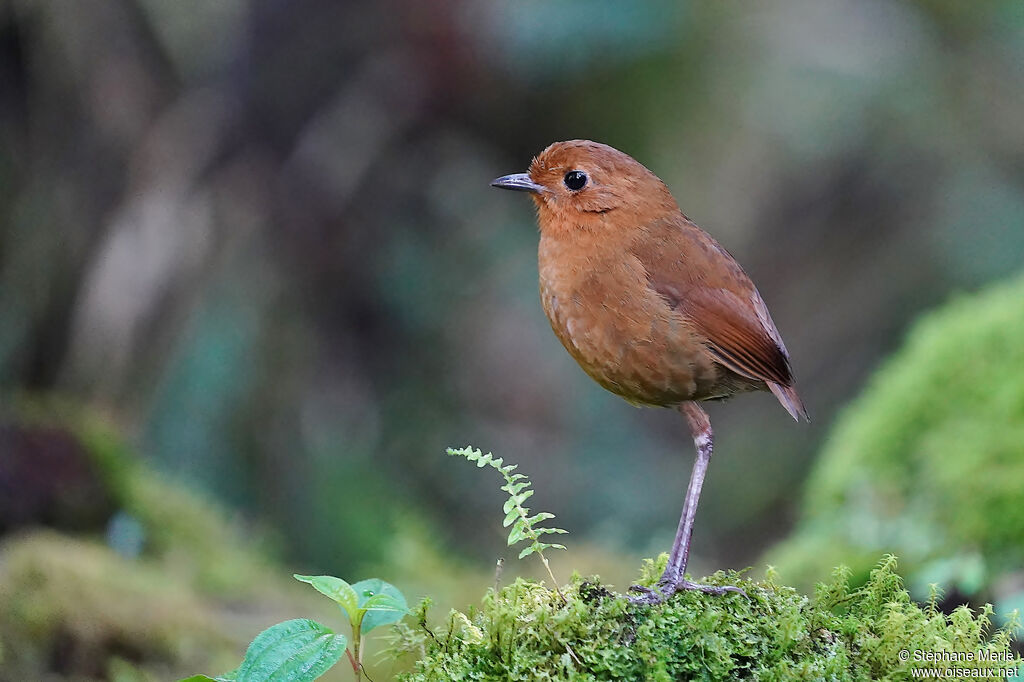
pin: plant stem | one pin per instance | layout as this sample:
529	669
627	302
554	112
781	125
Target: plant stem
352	661
359	655
554	583
357	637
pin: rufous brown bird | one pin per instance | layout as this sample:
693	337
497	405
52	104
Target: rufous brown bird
649	305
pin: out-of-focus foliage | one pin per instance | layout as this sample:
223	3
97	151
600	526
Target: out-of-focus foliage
929	461
163	584
525	632
259	235
74	608
150	516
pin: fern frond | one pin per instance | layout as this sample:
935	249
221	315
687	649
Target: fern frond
523	526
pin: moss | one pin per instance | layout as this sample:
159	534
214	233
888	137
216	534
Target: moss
929	461
525	632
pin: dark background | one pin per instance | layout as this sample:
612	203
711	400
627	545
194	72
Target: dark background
258	237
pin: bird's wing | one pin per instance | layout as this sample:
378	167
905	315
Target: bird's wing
701	280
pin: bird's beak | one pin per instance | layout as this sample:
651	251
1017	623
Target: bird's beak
520	182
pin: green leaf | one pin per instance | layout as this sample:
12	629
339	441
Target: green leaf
293	651
510	517
384	603
527	552
516	535
385	610
548	531
523	497
226	677
536	518
335	588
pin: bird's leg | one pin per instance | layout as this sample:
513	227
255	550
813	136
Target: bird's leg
672	579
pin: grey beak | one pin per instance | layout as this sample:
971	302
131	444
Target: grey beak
520	182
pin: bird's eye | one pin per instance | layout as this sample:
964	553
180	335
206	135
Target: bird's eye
575	180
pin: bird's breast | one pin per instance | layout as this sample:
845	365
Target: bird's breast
620	331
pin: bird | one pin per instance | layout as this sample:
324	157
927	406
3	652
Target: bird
650	306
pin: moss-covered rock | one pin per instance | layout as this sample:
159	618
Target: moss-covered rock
525	632
928	462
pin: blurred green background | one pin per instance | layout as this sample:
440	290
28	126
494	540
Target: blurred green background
252	243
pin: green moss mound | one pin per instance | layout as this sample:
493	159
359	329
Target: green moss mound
525	632
929	461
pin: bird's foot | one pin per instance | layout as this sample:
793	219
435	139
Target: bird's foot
666	588
717	590
647	595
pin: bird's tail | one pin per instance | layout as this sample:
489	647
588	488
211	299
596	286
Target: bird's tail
787	395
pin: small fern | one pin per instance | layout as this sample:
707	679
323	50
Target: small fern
524	527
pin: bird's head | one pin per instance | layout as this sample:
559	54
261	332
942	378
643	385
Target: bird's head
581	184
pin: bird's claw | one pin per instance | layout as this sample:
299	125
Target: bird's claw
657	595
647	595
717	590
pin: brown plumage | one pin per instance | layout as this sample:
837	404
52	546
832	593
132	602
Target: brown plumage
649	305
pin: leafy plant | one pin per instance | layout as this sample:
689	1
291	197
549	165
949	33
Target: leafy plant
368	604
301	650
523	526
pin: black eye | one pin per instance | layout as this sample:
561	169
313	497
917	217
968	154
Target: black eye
575	180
